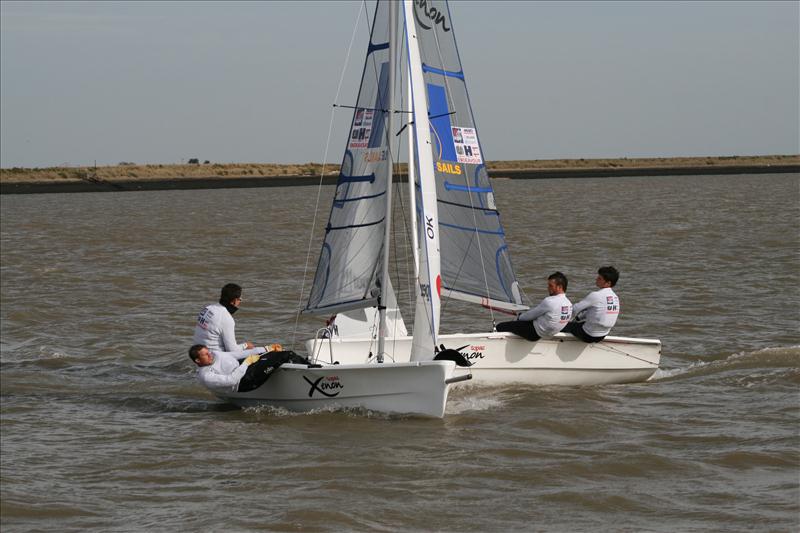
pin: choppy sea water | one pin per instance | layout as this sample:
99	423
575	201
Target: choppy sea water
104	428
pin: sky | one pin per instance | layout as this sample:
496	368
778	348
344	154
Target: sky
255	82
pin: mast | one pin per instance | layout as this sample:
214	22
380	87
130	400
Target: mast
411	175
383	329
428	305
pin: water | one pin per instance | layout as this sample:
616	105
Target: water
104	427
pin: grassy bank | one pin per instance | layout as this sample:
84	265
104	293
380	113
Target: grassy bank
131	172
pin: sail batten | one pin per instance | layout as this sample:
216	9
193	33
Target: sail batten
434	70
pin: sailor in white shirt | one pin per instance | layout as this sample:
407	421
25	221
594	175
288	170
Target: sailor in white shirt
599	310
547	318
225	372
215	325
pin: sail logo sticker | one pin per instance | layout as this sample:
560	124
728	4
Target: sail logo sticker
425	291
429	227
448	168
467	148
374	156
323	384
430	13
362	127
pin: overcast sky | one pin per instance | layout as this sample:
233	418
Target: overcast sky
160	82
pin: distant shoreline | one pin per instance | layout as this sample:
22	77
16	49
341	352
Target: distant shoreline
168	177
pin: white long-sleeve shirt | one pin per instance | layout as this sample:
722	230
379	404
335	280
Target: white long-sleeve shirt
550	316
216	329
600	309
225	372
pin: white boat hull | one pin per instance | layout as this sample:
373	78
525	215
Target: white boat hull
418	388
500	358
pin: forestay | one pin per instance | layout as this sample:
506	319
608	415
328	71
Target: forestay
475	265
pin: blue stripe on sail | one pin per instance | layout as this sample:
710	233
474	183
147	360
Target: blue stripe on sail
454	187
477	177
442	128
355	179
426	68
381	102
379	46
465	228
499	275
326	249
346	181
351	226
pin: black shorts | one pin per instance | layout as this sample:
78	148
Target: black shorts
522	328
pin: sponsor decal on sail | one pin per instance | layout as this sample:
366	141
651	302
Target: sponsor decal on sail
467	148
448	168
428	16
373	156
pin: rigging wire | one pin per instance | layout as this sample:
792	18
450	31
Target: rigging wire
621	352
322	172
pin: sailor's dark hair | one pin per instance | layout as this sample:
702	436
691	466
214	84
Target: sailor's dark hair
609	274
560	279
230	292
194	351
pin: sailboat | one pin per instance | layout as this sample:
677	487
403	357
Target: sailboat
353	268
456	227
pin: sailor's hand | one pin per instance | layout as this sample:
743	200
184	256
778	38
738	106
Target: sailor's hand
252	359
249	345
274	347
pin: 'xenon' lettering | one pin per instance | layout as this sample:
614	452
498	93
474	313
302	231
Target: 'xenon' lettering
430	13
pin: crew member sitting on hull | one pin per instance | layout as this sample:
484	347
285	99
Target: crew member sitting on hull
225	372
596	314
547	318
215	325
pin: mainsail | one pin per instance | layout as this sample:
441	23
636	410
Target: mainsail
348	270
468	258
475	265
